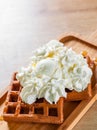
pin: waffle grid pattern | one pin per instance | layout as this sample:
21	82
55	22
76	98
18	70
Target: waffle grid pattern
40	111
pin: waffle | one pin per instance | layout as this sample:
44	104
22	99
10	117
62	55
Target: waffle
40	111
87	93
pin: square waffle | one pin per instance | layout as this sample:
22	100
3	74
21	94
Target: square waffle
87	93
40	111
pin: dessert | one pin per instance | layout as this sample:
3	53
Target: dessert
55	73
40	111
53	69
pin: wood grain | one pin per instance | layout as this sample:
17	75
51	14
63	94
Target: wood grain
26	25
78	113
73	111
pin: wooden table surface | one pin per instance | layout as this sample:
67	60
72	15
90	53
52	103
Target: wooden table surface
28	24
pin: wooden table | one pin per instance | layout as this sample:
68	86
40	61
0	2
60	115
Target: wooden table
26	25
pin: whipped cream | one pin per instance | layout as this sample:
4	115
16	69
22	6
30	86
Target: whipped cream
53	68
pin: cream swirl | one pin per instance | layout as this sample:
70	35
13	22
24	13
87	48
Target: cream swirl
53	68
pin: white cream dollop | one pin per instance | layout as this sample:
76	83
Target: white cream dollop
46	67
53	68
